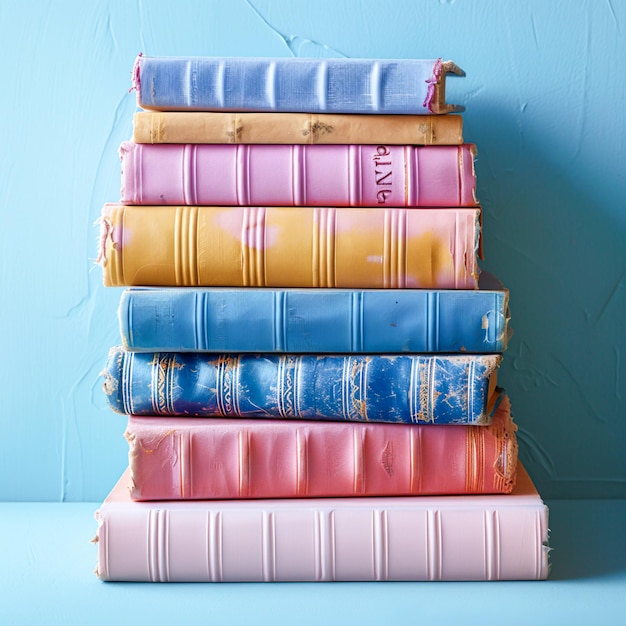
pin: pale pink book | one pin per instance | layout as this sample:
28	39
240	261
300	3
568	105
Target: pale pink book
298	175
190	458
420	538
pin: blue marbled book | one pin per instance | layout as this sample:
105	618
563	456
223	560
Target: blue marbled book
187	319
308	85
419	389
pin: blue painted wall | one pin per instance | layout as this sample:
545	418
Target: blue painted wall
544	97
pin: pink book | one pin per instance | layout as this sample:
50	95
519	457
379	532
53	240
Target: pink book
298	175
468	537
190	458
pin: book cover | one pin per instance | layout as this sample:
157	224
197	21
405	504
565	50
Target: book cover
298	175
295	128
418	389
345	247
315	85
251	319
419	538
189	458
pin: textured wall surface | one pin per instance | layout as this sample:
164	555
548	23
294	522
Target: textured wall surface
544	97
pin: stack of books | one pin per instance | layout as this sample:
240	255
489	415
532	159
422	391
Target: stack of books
309	349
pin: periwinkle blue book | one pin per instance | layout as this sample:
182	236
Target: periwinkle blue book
322	321
406	389
309	85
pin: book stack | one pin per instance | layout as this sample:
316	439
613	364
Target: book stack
309	350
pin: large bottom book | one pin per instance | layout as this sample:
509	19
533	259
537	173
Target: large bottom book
499	537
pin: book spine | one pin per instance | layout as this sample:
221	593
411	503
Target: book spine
298	175
418	389
181	458
290	247
321	540
179	319
407	86
295	128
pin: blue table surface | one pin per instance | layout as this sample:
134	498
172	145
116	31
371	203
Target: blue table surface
47	563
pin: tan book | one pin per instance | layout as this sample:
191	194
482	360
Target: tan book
296	128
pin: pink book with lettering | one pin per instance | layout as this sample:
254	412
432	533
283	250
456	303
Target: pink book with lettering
189	458
298	175
466	537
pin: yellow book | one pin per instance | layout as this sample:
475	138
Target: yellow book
290	246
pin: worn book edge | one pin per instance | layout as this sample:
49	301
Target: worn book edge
437	102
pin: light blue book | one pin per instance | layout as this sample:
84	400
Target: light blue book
408	389
309	85
187	319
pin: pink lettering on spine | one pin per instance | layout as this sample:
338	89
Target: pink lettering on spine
383	173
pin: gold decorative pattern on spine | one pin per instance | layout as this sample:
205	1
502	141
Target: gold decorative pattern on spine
157	384
288	367
422	395
324	241
186	245
354	401
225	391
253	246
395	248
